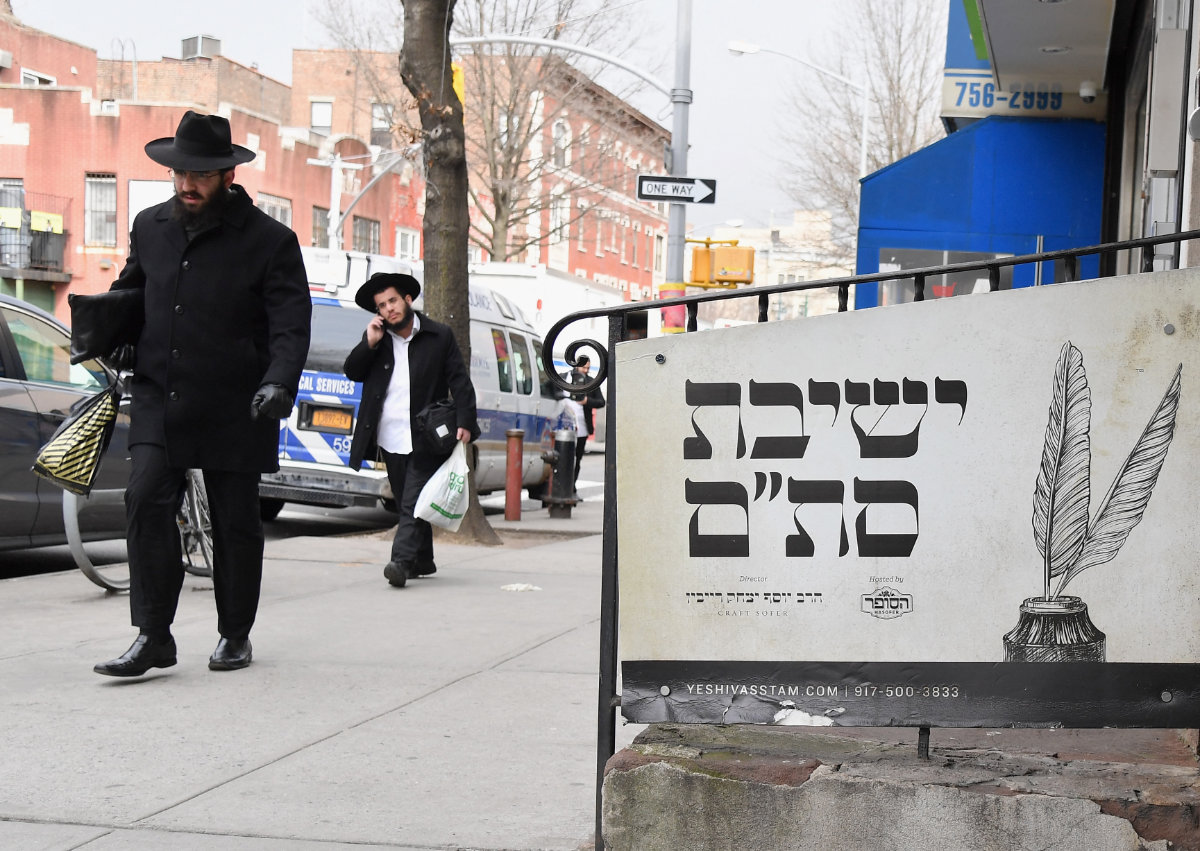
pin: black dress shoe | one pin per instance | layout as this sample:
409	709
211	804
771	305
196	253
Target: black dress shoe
145	653
424	568
231	654
397	572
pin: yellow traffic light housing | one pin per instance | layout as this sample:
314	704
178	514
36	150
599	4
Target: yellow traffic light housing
724	266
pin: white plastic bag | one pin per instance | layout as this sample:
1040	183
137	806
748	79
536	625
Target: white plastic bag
443	500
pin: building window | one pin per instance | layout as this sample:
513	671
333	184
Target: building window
562	140
366	235
560	212
474	253
321	116
381	124
579	230
658	252
280	209
33	78
599	234
100	209
510	126
637	233
408	244
320	227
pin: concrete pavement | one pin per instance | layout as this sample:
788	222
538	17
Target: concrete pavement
454	713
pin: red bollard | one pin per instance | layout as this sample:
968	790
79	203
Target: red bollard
512	474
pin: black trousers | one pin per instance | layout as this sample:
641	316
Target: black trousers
407	474
155	554
580	448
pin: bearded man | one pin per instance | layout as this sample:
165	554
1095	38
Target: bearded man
227	323
405	361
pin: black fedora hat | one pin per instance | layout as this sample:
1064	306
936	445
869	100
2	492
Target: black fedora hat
380	281
201	143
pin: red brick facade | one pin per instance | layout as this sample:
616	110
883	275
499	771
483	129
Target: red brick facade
69	124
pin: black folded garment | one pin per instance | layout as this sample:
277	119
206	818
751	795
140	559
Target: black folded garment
102	322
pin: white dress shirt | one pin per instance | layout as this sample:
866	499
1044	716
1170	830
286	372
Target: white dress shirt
395	420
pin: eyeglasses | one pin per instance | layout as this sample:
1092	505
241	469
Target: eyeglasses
194	176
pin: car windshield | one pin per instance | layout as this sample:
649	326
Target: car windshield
335	331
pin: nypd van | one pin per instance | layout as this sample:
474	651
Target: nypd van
507	370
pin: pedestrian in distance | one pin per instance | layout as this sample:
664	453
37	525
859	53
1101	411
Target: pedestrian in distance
216	365
592	400
405	361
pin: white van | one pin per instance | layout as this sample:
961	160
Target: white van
507	370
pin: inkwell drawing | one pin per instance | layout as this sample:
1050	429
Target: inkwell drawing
1055	627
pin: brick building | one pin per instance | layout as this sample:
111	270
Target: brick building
577	175
73	172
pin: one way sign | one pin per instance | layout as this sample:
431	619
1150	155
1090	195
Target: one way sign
676	190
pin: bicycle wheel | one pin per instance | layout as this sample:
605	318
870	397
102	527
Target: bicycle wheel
110	577
195	527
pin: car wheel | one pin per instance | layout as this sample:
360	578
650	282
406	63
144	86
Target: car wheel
269	508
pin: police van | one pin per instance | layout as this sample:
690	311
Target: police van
507	369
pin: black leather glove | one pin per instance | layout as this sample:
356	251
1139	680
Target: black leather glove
122	357
271	400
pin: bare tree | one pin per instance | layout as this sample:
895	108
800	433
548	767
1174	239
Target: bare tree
520	144
517	99
896	49
425	69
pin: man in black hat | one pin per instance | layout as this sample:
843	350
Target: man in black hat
405	361
227	316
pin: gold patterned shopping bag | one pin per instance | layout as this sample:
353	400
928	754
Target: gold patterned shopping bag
72	456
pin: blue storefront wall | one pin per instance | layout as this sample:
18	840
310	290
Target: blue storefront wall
989	189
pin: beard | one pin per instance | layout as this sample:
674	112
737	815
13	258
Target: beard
401	324
204	216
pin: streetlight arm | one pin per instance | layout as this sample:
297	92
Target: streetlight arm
551	44
740	47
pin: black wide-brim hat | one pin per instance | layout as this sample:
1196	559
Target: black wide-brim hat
201	143
380	281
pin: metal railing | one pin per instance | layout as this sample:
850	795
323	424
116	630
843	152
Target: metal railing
1064	260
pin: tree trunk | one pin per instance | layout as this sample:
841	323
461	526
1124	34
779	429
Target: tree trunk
425	69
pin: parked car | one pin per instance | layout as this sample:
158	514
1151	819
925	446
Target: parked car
38	386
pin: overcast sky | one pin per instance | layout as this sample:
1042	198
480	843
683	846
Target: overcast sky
734	120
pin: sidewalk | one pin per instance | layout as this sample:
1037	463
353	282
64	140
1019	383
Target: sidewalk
452	713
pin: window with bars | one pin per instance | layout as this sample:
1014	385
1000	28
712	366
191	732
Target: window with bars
280	209
100	209
320	227
366	235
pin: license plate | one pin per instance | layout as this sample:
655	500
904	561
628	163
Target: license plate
329	418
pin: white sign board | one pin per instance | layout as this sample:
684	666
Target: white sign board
855	518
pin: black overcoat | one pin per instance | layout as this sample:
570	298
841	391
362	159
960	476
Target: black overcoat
435	371
226	313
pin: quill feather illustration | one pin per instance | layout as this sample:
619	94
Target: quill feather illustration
1062	492
1126	500
1063	489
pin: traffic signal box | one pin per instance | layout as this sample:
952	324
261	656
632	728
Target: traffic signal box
721	263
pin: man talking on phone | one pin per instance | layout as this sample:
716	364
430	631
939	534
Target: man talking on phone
405	361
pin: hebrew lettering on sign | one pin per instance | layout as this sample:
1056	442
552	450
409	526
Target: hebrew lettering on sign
870	404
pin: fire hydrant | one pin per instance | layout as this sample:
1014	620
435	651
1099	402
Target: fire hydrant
562	480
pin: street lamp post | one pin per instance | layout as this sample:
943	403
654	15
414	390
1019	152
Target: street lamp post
739	48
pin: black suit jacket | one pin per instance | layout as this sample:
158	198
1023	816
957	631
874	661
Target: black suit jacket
225	313
435	370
